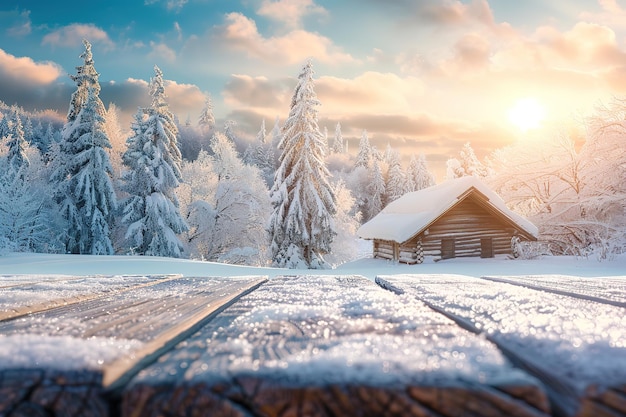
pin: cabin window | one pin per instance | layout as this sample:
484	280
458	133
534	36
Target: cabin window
447	248
486	247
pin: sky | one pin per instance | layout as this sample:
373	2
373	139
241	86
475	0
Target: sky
423	76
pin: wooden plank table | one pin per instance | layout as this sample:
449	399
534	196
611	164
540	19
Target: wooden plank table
575	345
606	290
61	359
332	346
24	295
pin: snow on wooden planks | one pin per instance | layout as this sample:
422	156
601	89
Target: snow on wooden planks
576	346
332	346
606	290
22	295
72	350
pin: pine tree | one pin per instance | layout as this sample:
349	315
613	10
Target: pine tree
396	180
207	119
229	130
338	142
86	77
470	162
83	172
364	157
5	129
17	158
376	191
151	211
302	226
85	189
418	175
277	137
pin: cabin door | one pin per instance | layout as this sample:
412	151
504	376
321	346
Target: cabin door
447	248
486	247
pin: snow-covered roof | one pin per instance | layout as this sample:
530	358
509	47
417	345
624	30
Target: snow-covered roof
414	212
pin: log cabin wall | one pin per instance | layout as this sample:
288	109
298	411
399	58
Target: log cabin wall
385	249
468	229
467	223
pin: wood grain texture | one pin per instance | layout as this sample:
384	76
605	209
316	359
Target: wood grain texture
330	346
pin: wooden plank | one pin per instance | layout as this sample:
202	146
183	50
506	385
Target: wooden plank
21	300
332	346
606	290
8	281
563	341
150	319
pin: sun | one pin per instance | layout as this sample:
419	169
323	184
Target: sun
527	114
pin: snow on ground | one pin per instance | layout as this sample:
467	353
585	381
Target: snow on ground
31	263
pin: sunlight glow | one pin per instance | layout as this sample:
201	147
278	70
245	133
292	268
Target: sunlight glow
526	114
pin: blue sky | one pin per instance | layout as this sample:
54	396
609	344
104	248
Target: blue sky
422	75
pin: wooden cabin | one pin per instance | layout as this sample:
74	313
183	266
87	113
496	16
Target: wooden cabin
457	218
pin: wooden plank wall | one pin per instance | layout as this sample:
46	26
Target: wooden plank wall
467	223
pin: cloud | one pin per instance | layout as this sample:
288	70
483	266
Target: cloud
257	92
24	70
72	35
289	12
241	34
162	51
22	26
175	5
31	84
612	14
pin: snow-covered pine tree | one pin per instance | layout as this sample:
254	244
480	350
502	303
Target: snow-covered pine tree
396	179
260	153
338	141
302	227
86	77
85	190
5	129
376	191
467	164
28	216
470	162
364	157
418	174
207	119
276	136
82	183
17	159
153	158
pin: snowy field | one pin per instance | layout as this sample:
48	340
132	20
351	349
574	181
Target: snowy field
30	263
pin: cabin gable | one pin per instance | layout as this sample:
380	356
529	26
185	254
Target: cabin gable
467	229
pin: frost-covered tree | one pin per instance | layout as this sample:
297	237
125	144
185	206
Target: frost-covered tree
344	247
418	175
376	190
5	128
85	190
86	77
260	153
82	175
17	145
338	146
28	217
396	185
226	205
276	135
116	137
207	119
302	227
153	160
364	157
466	165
